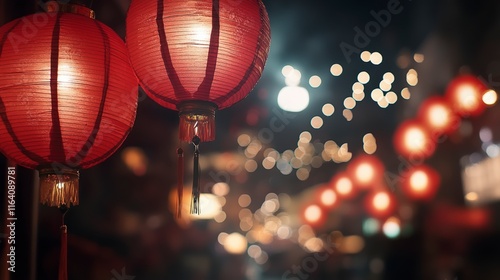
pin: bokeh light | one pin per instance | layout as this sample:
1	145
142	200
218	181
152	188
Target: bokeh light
293	98
336	69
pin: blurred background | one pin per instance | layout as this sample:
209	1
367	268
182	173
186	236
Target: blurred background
327	98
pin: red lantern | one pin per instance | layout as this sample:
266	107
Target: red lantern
420	182
437	115
413	141
380	203
68	96
198	56
366	171
465	94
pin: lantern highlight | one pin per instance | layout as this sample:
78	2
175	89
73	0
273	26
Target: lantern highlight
343	186
197	56
366	171
380	203
465	94
68	96
437	116
412	140
420	182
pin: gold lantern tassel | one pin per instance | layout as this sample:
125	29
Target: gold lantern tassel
59	187
180	180
63	258
195	203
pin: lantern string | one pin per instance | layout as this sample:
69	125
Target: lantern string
180	180
63	258
195	203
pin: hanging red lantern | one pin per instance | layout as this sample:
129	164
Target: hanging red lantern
436	114
198	56
68	96
420	182
465	95
413	140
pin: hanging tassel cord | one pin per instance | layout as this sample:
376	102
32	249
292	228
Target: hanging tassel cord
195	203
63	258
180	180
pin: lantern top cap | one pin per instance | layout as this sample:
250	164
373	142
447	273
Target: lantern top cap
68	7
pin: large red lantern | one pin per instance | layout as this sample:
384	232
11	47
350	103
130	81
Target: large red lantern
68	96
197	56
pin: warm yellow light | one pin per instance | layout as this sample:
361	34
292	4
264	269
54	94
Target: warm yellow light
235	243
363	77
365	173
328	109
352	244
391	97
376	58
244	200
381	201
347	114
419	181
384	85
293	78
210	206
244	140
313	213
405	93
336	69
220	189
472	196
344	186
377	95
315	81
328	197
388	77
358	96
365	56
418	57
317	122
467	97
490	97
439	116
414	139
349	103
286	70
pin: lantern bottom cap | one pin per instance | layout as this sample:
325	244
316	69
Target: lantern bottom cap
59	187
197	118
